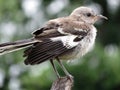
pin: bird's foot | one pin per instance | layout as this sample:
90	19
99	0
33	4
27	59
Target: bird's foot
70	77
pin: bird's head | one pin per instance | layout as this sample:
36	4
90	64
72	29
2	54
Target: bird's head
86	15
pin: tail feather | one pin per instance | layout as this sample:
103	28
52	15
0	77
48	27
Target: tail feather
17	45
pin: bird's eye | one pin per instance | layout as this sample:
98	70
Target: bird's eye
88	14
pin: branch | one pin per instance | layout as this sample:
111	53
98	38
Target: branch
63	83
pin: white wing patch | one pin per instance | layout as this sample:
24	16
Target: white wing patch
67	40
77	29
81	30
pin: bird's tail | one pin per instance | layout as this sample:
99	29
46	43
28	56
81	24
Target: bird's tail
17	45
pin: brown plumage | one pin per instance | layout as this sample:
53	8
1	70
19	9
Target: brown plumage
37	54
63	38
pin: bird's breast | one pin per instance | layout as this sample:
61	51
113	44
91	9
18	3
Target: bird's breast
82	47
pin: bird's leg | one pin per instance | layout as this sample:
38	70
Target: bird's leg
54	67
64	69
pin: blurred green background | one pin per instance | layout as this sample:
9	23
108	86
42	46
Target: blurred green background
98	70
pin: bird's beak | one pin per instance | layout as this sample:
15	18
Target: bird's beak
101	16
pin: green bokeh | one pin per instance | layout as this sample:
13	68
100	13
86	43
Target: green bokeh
98	70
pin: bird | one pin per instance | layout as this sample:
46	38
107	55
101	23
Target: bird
63	38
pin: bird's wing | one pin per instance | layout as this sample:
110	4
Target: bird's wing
48	30
53	45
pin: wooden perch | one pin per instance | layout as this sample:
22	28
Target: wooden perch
63	83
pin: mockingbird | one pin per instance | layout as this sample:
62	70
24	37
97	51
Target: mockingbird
65	38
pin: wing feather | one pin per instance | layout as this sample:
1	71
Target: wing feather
44	52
